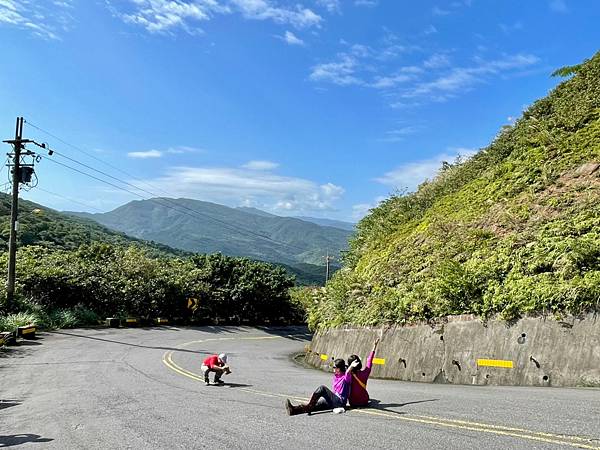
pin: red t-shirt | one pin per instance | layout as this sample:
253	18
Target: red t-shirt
358	394
212	361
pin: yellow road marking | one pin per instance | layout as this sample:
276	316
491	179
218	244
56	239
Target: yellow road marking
495	363
572	441
379	361
485	428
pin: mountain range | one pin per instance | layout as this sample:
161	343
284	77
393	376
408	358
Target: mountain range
204	227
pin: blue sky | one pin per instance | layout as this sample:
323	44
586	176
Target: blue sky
304	107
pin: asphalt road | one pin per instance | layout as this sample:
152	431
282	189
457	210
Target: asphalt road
141	389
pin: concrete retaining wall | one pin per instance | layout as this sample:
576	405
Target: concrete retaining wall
464	350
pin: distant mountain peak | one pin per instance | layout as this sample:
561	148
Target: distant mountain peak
256	211
348	226
205	227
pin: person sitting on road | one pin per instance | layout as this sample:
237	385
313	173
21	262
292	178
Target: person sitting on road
358	390
323	398
216	364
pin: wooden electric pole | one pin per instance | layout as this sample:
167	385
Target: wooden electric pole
327	260
14	212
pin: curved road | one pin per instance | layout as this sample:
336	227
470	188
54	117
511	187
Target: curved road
142	389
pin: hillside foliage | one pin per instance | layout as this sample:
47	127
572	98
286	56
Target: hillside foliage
51	229
104	280
73	271
513	230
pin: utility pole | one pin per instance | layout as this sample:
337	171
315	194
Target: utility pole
21	174
14	211
327	260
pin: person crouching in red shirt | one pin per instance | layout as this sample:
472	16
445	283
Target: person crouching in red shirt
216	364
358	390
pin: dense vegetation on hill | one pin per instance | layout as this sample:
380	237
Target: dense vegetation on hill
204	227
513	230
45	227
73	271
102	280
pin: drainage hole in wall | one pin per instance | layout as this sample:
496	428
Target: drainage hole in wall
545	378
523	335
423	374
487	375
442	338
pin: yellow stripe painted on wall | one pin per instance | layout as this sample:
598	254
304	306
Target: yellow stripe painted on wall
495	363
379	361
28	330
324	357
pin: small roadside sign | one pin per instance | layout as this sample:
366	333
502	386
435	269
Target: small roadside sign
193	303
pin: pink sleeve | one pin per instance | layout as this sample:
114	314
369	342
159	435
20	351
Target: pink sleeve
348	377
370	361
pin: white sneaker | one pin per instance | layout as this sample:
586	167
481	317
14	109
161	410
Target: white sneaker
338	410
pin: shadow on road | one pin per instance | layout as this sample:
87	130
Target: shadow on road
8	403
198	352
376	404
28	343
233	385
13	440
294	332
14	352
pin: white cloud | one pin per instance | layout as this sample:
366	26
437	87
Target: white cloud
510	28
43	18
299	17
368	3
165	16
410	175
558	6
183	149
437	11
291	38
451	8
341	72
333	6
243	186
359	63
146	154
399	134
436	61
360	210
260	165
435	80
179	150
159	16
430	30
390	81
462	79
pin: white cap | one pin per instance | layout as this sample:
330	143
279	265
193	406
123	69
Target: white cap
223	357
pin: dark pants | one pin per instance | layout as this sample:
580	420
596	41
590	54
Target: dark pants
218	372
326	399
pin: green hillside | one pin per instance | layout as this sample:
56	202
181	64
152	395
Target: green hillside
45	227
205	227
73	272
514	230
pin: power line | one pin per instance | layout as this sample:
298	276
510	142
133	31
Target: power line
228	225
69	199
196	215
79	149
